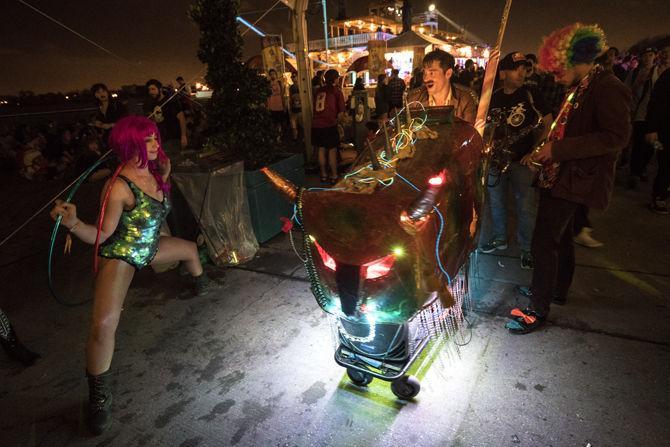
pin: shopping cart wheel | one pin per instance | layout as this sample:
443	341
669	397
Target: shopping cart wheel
359	378
406	387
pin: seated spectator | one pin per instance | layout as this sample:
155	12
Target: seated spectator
90	154
33	165
61	148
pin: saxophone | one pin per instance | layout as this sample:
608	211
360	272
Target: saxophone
548	171
501	154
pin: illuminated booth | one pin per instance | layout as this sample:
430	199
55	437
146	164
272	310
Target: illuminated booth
351	40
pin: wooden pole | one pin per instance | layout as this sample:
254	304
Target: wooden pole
490	74
299	22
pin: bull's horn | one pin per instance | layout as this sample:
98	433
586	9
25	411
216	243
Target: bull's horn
424	203
416	215
282	184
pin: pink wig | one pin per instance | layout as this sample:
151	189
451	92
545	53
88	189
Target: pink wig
127	141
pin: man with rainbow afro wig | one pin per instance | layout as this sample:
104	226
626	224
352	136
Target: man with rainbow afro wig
576	163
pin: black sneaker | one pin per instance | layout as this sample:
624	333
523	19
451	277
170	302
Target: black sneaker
659	206
526	260
493	246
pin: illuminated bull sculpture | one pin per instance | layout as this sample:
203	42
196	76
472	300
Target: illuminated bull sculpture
384	242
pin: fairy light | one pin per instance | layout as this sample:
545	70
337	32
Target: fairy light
371	334
404	137
398	251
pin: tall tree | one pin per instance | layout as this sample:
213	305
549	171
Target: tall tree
238	121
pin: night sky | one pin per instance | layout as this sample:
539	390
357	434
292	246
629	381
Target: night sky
156	39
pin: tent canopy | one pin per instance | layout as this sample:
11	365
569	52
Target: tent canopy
412	39
361	64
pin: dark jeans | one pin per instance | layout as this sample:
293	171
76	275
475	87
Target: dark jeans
552	249
641	151
581	219
662	180
520	179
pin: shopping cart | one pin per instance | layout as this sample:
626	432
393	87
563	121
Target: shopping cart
388	351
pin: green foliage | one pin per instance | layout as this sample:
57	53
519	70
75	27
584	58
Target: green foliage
238	121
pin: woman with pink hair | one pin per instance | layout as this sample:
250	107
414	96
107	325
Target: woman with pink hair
127	238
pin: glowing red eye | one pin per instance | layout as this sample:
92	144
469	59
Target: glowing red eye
379	267
328	260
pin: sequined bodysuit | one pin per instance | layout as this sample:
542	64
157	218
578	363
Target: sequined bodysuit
136	237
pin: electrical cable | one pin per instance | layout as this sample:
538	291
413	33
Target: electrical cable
97	45
261	17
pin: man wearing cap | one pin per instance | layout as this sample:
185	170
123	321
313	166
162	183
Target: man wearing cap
523	120
438	90
641	82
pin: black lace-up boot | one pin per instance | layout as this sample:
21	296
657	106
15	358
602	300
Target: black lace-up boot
11	344
100	402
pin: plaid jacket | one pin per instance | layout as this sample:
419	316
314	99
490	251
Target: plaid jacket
396	90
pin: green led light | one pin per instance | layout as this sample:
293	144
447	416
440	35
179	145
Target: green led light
398	251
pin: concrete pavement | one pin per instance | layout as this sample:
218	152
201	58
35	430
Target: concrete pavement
251	364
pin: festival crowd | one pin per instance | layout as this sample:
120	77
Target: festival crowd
558	132
65	149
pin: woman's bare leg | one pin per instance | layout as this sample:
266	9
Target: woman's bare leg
172	249
111	286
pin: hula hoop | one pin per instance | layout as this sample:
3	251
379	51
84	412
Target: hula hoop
54	233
